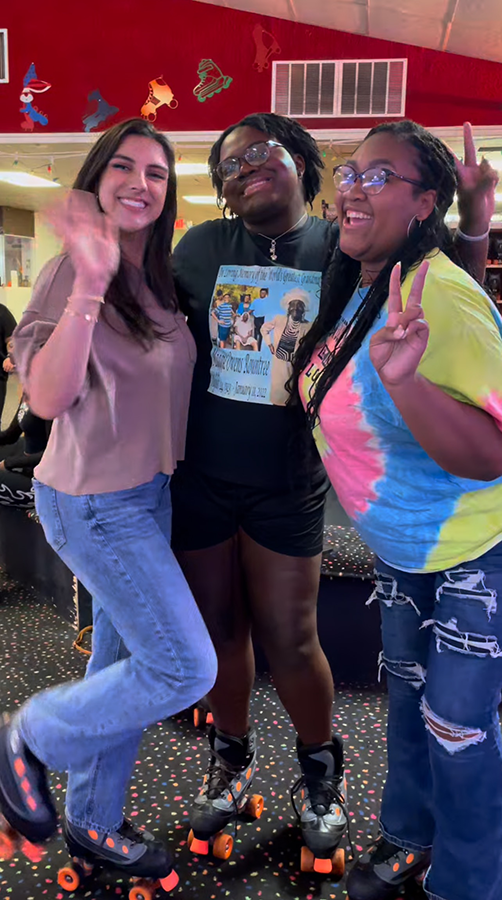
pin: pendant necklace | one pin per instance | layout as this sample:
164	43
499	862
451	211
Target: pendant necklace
273	241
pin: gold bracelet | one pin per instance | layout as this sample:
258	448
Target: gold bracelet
80	315
86	297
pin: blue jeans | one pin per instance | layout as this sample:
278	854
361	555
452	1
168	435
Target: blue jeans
442	640
151	657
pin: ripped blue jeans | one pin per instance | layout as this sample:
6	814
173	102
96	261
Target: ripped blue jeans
442	651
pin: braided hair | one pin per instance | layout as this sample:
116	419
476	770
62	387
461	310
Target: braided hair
437	169
288	133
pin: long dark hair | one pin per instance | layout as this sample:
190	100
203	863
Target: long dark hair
286	131
437	170
157	258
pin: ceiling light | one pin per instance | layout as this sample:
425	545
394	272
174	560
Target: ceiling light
202	199
25	179
191	169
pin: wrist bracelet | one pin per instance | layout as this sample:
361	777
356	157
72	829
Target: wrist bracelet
472	238
80	315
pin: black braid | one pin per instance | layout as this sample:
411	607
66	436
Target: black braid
289	133
437	172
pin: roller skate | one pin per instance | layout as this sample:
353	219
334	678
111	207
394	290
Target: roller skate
159	94
387	872
223	796
28	816
202	715
322	814
129	850
212	80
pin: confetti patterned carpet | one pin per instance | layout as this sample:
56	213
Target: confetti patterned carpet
36	651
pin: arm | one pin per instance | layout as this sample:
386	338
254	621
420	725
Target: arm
58	370
462	438
476	204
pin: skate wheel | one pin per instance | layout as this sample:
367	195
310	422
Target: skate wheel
199	717
209	719
223	846
306	860
142	890
7	846
170	882
255	806
338	862
68	879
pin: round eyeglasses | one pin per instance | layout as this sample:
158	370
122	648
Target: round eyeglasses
373	180
255	155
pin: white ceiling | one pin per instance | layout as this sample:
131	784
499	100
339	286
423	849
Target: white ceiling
469	27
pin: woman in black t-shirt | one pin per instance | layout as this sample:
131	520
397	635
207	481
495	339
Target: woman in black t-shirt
248	536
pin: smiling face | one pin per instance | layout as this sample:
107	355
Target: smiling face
133	187
259	192
374	226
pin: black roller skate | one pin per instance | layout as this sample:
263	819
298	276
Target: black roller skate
28	816
321	811
223	796
202	714
386	872
129	850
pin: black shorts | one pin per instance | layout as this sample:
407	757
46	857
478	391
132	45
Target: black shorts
208	511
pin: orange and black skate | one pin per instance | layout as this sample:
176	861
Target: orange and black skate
129	850
202	714
321	811
388	872
224	794
27	813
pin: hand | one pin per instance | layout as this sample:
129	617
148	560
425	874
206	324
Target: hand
8	366
398	347
90	238
476	188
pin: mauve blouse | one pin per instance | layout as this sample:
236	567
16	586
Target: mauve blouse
129	421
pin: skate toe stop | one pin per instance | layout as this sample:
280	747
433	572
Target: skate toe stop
172	881
323	866
200	847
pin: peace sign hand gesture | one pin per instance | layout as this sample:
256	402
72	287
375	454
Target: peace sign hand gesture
397	348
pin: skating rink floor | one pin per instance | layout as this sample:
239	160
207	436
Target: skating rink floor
36	652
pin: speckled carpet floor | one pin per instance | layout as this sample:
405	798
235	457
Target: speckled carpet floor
36	652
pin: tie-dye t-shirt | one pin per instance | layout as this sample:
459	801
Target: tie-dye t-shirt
412	513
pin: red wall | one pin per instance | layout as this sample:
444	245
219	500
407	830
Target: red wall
118	46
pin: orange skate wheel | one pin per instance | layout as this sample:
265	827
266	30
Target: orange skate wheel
68	879
307	860
209	719
338	861
7	846
255	806
199	717
170	882
223	845
142	890
323	866
190	838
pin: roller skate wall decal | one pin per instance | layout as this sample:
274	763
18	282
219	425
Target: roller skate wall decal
266	46
159	94
31	86
212	80
99	115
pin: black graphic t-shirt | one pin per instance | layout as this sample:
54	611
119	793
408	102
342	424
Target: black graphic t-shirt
239	428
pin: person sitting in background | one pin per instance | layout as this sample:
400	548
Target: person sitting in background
26	437
7	325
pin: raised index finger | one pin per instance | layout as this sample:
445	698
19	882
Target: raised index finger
469	148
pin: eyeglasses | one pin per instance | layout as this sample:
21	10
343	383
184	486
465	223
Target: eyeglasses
255	155
373	180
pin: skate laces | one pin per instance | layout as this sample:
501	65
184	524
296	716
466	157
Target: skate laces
323	792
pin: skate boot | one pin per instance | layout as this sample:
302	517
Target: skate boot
212	80
129	850
385	871
26	806
222	798
159	94
322	814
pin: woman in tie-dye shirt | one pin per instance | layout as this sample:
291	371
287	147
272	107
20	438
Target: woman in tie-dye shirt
406	407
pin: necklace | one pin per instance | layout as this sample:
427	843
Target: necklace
273	241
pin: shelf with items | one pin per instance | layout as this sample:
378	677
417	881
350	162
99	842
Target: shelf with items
493	277
16	260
